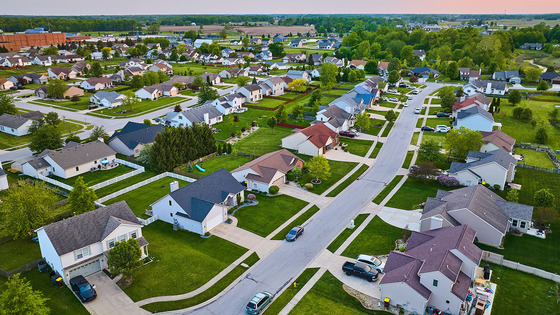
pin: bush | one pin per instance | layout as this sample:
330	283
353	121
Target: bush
309	186
291	176
496	187
447	181
273	189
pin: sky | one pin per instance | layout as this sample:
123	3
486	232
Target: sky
130	7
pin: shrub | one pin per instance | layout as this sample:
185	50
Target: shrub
291	176
447	181
309	186
273	189
496	187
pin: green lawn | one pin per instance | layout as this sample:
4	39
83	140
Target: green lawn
387	104
376	150
92	178
290	95
378	238
375	126
181	262
145	106
357	147
104	191
216	288
281	301
387	129
408	159
414	140
229	162
259	116
414	192
17	253
438	137
269	103
269	214
297	222
433	122
435	110
513	297
535	158
348	181
379	198
338	170
342	237
9	141
436	101
60	300
327	297
141	198
263	141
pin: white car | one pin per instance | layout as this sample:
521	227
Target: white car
394	99
417	110
415	92
442	128
371	261
405	104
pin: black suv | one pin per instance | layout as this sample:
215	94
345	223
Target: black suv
83	289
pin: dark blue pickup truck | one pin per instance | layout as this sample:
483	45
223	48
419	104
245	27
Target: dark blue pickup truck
360	270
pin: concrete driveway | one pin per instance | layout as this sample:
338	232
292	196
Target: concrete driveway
401	218
110	298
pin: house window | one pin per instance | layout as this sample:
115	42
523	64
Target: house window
134	234
122	237
435	283
94	162
81	253
77	168
170	202
111	243
522	224
514	223
170	214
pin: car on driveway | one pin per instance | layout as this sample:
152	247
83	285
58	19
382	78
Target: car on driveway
371	261
442	128
259	302
427	129
294	233
347	133
83	289
442	115
93	106
360	270
394	99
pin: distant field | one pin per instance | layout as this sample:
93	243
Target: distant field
256	30
525	23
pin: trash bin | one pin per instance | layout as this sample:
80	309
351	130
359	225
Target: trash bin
386	302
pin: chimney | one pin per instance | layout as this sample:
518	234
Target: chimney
174	185
207	118
100	139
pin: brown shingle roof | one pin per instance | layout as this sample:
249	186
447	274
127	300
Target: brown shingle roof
499	138
319	134
267	165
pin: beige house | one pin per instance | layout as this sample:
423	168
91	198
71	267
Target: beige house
252	92
313	140
5	84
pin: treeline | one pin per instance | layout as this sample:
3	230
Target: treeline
68	24
176	146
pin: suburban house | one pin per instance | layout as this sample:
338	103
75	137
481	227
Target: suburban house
161	67
264	55
19	61
335	118
213	78
29	78
337	62
273	86
298	74
278	38
62	73
485	87
72	160
478	99
226	52
80	67
277	65
474	118
495	167
351	103
242	54
41	92
313	140
233	73
325	44
497	139
107	99
420	53
205	114
466	74
6	84
268	170
152	92
202	205
531	46
551	77
357	64
293	58
383	68
3	180
18	125
232	61
255	69
79	245
315	59
96	84
297	42
436	269
132	71
510	76
252	93
424	72
231	103
134	62
73	91
133	137
479	208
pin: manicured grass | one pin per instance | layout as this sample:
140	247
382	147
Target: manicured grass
9	141
413	192
338	170
348	181
229	162
513	296
438	137
420	122
189	93
387	104
376	150
375	127
92	178
414	140
387	129
408	159
357	147
535	158
281	301
379	112
328	297
387	189
228	126
141	198
342	237
433	122
426	100
435	110
436	101
181	261
269	103
377	238
297	222
144	106
290	95
216	288
17	253
104	191
60	300
263	141
269	214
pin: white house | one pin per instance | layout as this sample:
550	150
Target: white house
275	86
485	87
96	84
313	140
494	168
199	42
61	73
18	125
152	92
3	180
335	118
474	118
79	245
252	93
205	114
231	103
200	206
133	137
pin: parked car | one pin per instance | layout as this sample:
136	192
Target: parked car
405	104
13	88
93	106
427	129
442	114
158	120
360	270
371	261
415	92
384	98
417	110
294	233
442	128
259	302
347	133
410	98
83	289
394	99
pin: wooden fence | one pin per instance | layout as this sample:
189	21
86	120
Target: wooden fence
24	268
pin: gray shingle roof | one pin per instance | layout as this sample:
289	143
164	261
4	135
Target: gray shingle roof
81	154
16	121
498	156
110	96
88	228
497	85
137	133
474	110
196	115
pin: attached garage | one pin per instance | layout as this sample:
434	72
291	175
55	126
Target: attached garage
85	269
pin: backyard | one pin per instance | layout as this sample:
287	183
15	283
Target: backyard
9	141
181	261
269	103
145	106
263	141
109	189
378	238
534	158
17	253
96	177
229	162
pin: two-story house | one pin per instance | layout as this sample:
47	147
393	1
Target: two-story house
273	86
252	93
231	103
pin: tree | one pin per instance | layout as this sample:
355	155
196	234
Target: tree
329	72
271	122
554	114
542	86
425	171
72	138
96	70
541	136
52	50
532	74
452	71
82	198
277	49
390	116
544	215
51	118
363	122
19	298
136	82
514	97
7	105
544	198
298	85
56	88
447	100
297	111
393	77
246	42
394	65
315	96
75	99
45	137
459	142
429	151
242	81
129	100
98	132
371	67
207	93
26	207
512	195
319	167
223	33
352	77
144	154
106	52
124	258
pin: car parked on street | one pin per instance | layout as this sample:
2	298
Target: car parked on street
415	92
427	129
442	115
442	128
371	261
83	289
294	233
417	110
360	270
259	302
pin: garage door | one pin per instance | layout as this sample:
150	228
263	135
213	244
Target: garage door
86	270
